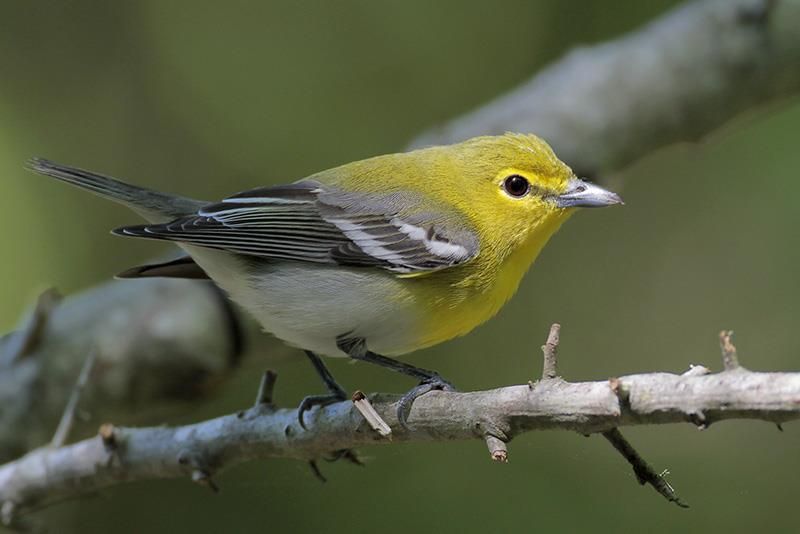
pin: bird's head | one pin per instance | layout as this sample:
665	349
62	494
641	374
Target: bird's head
518	192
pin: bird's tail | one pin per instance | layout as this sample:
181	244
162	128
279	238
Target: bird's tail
152	205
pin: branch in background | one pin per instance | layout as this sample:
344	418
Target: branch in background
674	80
154	340
201	450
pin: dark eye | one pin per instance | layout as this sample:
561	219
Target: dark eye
516	186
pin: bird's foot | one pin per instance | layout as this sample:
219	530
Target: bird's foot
433	383
318	400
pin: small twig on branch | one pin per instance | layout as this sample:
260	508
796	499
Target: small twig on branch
375	421
497	449
730	360
68	417
496	442
644	473
317	473
550	351
266	389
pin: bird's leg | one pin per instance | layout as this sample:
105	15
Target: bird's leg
335	391
356	348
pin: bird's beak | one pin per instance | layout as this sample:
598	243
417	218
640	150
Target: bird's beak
582	194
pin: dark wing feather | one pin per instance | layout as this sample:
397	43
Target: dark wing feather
183	267
308	223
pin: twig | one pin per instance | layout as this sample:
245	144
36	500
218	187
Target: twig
730	360
266	388
550	352
68	417
375	421
496	439
317	473
644	473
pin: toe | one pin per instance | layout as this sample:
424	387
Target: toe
406	401
315	400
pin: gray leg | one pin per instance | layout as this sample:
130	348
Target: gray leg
356	348
335	391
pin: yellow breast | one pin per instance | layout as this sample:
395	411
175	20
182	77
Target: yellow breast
475	292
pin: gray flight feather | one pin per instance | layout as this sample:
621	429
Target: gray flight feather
310	222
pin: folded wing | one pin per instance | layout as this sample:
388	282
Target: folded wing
308	222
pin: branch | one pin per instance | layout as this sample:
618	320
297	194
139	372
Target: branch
201	450
676	79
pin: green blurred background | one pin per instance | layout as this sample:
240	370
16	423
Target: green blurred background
207	98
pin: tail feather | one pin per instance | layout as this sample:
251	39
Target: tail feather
152	205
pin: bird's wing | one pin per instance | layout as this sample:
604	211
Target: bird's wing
309	222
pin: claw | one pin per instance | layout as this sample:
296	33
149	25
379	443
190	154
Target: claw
317	400
426	386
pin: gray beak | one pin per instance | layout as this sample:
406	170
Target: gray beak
582	194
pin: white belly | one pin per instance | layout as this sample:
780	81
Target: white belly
310	305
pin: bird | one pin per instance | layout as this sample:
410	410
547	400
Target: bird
373	259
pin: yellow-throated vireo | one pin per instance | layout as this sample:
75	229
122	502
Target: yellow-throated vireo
374	258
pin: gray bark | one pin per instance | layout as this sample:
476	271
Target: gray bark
201	450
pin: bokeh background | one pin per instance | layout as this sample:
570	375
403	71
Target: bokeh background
207	98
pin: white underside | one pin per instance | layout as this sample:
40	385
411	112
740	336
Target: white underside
309	306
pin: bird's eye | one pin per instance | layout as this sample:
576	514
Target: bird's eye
516	186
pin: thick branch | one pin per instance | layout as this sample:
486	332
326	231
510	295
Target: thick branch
677	79
125	454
